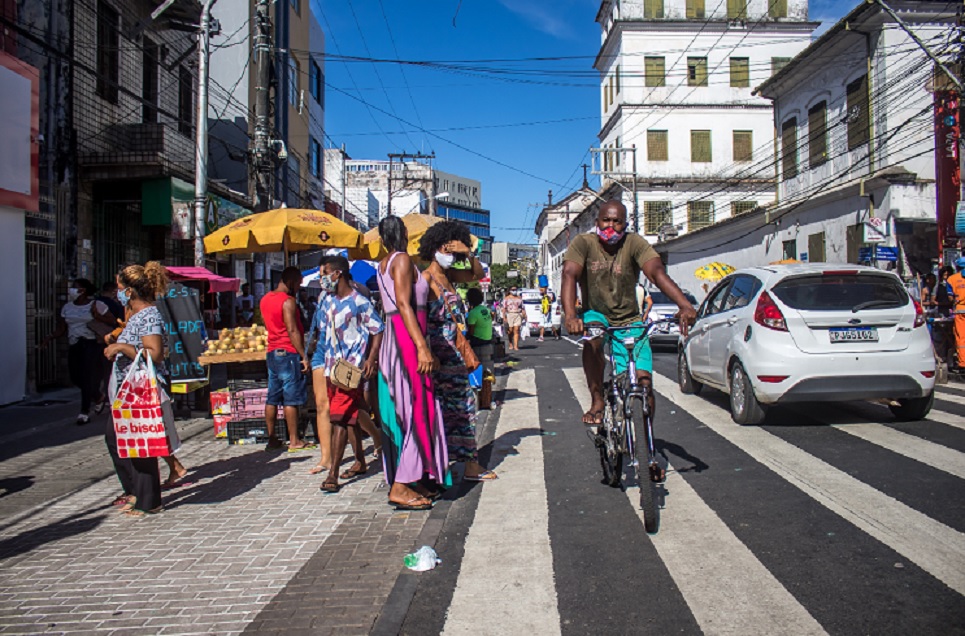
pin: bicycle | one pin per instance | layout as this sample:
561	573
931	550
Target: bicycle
627	409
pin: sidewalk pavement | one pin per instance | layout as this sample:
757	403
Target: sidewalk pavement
250	545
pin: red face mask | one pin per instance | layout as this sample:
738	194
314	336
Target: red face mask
610	236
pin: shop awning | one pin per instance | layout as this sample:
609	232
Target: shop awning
215	283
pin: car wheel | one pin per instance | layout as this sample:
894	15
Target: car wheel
688	386
912	409
744	407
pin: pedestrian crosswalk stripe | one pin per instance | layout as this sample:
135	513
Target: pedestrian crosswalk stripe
936	548
701	553
948	419
950	396
944	389
929	453
508	562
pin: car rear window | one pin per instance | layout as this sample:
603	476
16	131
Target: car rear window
852	292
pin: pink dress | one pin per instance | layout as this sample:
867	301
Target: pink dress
414	439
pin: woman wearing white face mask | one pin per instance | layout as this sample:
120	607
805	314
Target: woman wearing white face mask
442	245
85	352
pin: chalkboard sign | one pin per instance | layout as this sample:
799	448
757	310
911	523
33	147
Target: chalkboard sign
181	309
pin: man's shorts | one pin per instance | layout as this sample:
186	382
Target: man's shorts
547	320
642	354
286	382
344	404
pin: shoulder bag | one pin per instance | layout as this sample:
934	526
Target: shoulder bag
461	343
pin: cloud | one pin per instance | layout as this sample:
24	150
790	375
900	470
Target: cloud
548	17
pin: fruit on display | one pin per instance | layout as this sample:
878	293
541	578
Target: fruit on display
238	340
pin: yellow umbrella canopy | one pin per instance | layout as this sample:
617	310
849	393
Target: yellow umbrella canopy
786	261
282	230
713	271
415	225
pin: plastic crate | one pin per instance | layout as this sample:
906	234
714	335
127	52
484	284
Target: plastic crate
249	404
257	429
247	384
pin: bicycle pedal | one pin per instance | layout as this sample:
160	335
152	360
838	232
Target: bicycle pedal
657	474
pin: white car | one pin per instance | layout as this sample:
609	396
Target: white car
533	312
810	332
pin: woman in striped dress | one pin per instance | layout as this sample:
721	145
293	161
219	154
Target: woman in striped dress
414	440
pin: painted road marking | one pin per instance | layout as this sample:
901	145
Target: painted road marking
508	562
700	551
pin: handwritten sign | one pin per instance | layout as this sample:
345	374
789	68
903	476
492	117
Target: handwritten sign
181	309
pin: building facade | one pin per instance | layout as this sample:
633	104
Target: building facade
676	93
855	115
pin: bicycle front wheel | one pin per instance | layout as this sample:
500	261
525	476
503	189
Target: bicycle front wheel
611	459
648	485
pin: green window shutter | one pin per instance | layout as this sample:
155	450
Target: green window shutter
699	214
743	145
777	8
736	9
696	71
653	9
742	207
700	151
777	63
695	9
818	134
656	214
740	72
789	148
654	72
657	145
858	113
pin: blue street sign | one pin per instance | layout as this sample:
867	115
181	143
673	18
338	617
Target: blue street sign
882	253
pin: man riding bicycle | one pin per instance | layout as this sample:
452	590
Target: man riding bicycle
607	263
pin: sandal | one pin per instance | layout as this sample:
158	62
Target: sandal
140	514
593	418
354	472
304	447
486	475
411	505
122	500
329	486
318	469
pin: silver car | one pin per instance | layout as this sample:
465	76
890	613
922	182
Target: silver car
666	334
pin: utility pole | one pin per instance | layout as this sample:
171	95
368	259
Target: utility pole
201	134
402	156
261	162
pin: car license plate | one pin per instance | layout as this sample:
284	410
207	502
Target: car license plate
854	334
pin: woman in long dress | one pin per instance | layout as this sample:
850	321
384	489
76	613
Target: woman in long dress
414	441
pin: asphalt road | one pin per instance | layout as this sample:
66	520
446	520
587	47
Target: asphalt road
826	519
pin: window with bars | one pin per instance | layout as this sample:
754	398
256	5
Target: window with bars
740	72
700	150
652	9
818	134
695	9
777	63
743	145
736	9
108	52
654	72
657	145
696	71
149	81
858	114
656	214
789	148
742	207
699	214
777	8
185	101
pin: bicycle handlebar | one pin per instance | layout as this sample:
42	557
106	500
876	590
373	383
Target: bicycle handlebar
600	329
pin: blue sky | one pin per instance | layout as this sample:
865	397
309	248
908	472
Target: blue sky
519	134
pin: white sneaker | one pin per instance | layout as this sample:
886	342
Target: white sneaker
540	340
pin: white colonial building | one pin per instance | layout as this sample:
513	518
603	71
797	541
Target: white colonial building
676	84
856	152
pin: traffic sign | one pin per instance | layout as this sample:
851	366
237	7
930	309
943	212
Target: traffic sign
881	253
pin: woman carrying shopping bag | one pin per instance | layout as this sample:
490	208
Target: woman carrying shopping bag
138	286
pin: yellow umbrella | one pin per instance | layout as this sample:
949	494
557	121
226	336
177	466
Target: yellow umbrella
786	261
713	271
283	230
415	225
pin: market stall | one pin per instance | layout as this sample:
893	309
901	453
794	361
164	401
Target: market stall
236	359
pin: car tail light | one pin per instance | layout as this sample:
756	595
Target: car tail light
919	313
772	379
769	314
840	272
928	374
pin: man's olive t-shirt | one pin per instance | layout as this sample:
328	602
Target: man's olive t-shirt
609	283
